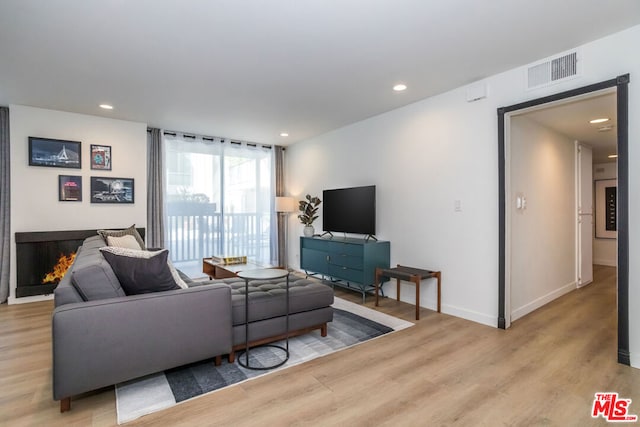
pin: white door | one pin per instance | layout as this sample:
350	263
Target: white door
585	214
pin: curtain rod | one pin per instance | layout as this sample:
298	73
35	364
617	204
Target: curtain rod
210	138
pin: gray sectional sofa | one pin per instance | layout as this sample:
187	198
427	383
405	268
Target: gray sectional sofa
103	337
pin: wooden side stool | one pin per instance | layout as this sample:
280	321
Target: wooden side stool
409	274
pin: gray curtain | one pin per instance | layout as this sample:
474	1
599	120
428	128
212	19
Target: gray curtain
280	242
5	208
155	189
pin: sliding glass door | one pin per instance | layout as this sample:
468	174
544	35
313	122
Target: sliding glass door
218	200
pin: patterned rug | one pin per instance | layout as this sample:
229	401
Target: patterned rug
352	324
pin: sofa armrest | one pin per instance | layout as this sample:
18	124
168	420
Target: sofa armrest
100	343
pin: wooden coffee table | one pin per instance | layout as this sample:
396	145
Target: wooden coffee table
216	270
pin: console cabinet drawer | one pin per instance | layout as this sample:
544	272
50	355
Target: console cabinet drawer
311	243
345	273
350	260
345	248
346	261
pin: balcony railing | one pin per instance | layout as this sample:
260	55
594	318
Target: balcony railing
194	231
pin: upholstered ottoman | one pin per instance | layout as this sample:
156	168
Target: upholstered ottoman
309	304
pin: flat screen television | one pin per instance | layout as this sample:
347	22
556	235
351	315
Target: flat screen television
350	210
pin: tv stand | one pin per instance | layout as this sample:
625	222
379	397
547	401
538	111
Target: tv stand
370	236
327	232
346	262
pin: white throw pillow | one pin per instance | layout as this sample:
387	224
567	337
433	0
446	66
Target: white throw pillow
139	253
126	241
127	231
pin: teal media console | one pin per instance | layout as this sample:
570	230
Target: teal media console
348	262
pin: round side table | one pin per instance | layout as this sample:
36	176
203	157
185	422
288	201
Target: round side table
263	274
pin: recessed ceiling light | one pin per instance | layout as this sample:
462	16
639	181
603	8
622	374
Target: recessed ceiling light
605	128
612	156
602	120
106	106
284	134
400	87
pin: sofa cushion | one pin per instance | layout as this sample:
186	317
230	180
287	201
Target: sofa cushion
188	281
141	273
93	242
119	233
267	297
127	241
96	281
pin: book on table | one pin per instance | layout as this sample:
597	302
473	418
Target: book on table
229	260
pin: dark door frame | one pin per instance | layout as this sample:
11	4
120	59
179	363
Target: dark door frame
622	94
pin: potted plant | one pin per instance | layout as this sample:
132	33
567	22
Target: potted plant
308	209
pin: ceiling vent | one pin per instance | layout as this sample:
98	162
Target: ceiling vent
552	71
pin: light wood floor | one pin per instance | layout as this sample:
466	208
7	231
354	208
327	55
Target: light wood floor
444	371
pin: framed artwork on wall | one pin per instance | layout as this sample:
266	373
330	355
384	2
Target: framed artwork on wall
101	157
606	209
69	188
112	190
56	153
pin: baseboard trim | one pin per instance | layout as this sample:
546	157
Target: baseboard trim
24	300
606	262
473	316
539	302
408	295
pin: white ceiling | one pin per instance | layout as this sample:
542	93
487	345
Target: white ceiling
571	118
250	69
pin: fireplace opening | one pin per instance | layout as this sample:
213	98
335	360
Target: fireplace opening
42	260
43	257
60	269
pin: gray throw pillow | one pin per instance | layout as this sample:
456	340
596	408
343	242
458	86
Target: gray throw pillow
119	233
142	275
137	253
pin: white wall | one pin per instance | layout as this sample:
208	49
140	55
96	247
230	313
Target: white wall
402	153
424	156
543	234
34	190
605	251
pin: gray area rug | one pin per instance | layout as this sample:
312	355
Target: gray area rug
352	324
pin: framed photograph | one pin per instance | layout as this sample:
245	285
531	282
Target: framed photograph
606	209
56	153
111	190
69	188
101	157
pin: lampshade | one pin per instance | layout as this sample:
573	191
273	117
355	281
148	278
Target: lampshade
285	204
